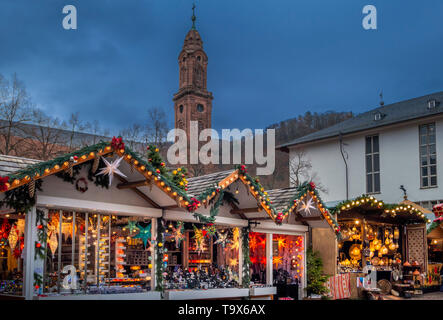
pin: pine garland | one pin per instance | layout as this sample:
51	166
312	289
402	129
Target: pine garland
160	267
19	198
246	280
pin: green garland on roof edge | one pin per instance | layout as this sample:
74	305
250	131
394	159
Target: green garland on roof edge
385	206
304	188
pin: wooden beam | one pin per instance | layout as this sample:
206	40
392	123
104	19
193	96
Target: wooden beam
234	207
133	184
139	193
245	210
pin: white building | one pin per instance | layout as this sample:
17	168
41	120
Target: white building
379	151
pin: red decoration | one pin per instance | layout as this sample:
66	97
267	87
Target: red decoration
3	182
312	185
158	170
243	168
81	185
193	205
39	227
279	217
438	210
4	229
117	143
38	244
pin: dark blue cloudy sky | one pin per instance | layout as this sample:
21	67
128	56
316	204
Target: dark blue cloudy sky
268	60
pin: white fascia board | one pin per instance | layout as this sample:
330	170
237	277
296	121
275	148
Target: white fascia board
189	217
95	206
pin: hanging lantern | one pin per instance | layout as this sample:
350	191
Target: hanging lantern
396	233
392	246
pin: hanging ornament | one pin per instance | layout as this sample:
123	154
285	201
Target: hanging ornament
13	237
53	243
144	234
4	229
132	226
235	239
21	225
222	239
95	164
111	169
199	237
67	229
277	260
31	188
178	234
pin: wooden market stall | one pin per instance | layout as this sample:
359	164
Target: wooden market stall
383	247
435	249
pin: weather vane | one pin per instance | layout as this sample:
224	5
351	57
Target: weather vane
193	16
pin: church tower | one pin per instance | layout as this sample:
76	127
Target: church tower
193	102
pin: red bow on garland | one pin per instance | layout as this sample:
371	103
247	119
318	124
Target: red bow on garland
279	217
193	205
3	182
312	185
243	168
117	143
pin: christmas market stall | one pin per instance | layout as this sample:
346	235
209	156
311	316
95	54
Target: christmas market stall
84	225
301	205
383	247
12	235
213	251
435	249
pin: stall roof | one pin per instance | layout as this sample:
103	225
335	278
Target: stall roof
33	169
197	185
11	164
287	200
370	208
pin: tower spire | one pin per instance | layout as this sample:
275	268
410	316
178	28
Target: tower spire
193	18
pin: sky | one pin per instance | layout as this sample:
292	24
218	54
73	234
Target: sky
268	60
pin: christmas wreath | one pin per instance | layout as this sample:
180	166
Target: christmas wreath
81	185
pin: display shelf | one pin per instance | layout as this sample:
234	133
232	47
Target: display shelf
223	293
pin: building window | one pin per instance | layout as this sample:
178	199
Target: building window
428	156
200	108
372	164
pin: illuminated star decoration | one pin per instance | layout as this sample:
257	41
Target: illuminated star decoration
222	239
132	226
199	240
307	206
281	242
144	234
233	262
235	243
111	169
277	260
177	234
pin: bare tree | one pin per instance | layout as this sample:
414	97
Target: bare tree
45	140
133	137
300	170
156	128
75	126
15	109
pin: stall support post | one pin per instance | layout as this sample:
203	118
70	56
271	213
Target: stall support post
31	265
269	274
153	255
30	238
240	257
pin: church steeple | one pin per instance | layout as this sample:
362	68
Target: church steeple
193	18
193	102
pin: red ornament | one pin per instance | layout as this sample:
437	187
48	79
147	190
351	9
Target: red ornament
38	245
279	217
3	182
117	143
162	164
312	185
158	170
39	227
37	287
